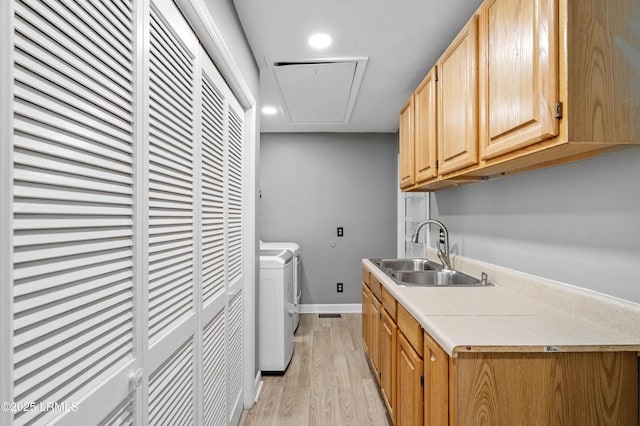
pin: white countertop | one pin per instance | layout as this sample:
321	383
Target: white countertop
497	318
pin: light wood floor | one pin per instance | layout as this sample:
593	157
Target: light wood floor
328	381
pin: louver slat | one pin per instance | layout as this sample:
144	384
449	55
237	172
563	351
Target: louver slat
73	198
170	180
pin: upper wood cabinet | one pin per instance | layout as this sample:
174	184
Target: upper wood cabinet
406	137
518	74
457	101
425	128
527	84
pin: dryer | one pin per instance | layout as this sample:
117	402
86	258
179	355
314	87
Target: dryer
297	274
275	310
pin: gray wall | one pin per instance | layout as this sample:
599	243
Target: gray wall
577	223
224	14
313	183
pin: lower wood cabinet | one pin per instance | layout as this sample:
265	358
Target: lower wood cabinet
436	383
422	385
539	388
374	335
366	302
388	350
410	406
398	367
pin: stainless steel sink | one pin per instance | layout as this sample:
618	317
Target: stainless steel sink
406	264
425	273
435	278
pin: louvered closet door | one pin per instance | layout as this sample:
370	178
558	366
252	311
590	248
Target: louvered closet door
213	191
170	361
73	209
235	248
221	249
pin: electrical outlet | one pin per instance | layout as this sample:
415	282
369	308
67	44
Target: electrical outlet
339	288
340	231
441	236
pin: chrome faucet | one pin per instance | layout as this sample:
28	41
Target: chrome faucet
443	253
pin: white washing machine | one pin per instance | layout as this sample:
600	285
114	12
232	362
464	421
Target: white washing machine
275	310
297	274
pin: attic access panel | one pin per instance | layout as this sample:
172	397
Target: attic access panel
319	91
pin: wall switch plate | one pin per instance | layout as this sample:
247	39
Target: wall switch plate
339	288
340	231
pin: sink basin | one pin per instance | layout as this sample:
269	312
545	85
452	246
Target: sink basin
407	264
424	273
434	278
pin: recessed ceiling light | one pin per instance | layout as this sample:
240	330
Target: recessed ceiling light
320	40
269	110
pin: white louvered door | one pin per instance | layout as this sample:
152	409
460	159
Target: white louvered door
235	247
213	251
172	345
127	175
221	248
73	222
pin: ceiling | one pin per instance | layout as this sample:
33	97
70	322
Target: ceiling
397	40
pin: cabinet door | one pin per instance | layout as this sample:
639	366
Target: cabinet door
374	337
436	378
366	301
410	396
425	123
406	135
518	74
458	101
388	350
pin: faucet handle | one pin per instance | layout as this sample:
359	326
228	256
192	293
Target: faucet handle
484	278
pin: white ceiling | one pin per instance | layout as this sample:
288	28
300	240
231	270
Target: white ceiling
402	39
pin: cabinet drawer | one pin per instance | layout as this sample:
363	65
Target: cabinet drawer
375	286
411	329
389	303
365	275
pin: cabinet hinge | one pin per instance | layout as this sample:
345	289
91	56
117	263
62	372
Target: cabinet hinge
558	110
436	77
422	380
436	164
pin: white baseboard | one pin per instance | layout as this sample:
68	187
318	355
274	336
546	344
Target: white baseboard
342	308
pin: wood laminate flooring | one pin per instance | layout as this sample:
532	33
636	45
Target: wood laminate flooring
328	381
